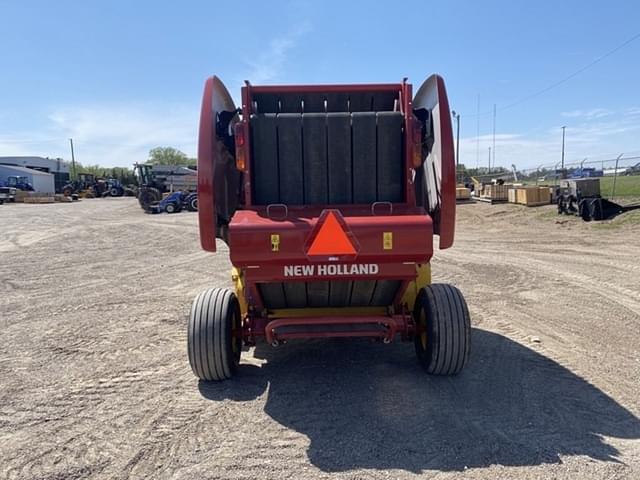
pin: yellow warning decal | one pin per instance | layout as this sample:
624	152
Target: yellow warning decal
275	242
387	240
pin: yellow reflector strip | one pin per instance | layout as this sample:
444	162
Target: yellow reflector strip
275	242
387	240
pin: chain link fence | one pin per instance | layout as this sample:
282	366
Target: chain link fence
619	175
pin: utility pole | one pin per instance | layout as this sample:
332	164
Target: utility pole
494	135
478	136
457	117
73	160
489	159
563	128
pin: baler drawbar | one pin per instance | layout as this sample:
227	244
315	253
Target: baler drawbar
328	197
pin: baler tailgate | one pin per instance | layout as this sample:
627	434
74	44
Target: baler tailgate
328	197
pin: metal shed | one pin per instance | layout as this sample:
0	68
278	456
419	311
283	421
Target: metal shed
41	181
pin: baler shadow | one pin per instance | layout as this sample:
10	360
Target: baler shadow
371	406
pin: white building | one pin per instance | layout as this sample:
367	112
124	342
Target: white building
56	166
41	181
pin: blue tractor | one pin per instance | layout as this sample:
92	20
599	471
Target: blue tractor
175	202
19	183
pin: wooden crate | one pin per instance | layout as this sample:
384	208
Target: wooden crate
39	199
527	195
463	193
544	195
511	196
495	192
61	198
21	195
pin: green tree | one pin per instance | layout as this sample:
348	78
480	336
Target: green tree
169	156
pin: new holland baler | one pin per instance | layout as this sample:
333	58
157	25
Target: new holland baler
328	197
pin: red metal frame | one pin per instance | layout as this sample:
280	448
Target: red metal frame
447	222
411	227
393	324
403	89
206	162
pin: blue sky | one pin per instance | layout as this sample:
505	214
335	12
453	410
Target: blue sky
121	77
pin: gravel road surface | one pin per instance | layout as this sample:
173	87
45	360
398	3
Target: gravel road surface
95	382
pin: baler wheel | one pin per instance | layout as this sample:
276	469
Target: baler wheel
444	326
213	345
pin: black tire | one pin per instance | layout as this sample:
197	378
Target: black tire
67	191
147	196
444	329
172	207
192	204
214	352
114	192
595	210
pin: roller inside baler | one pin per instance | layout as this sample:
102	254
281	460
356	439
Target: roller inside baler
328	197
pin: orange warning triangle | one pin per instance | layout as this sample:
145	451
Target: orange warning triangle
331	239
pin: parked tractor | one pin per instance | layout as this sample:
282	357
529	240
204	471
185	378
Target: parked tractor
19	183
154	180
328	197
582	197
176	202
7	194
114	188
85	184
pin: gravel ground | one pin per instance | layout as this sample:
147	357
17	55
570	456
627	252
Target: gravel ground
94	378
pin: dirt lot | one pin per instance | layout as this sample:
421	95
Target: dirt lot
94	379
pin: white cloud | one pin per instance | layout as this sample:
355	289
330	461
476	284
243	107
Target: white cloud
588	114
269	64
593	137
113	135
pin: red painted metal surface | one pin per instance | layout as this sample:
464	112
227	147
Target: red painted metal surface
356	87
246	113
407	110
206	139
393	325
447	223
251	227
250	238
274	272
215	99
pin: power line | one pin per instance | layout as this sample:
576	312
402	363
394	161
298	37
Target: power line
565	79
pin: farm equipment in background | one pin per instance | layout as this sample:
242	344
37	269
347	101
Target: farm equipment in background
114	188
582	197
586	172
85	185
19	183
7	194
175	202
328	197
154	180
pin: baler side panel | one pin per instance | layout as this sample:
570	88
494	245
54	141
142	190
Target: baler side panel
218	179
439	165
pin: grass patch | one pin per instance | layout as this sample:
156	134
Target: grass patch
626	186
624	219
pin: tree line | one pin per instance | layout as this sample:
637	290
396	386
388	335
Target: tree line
126	175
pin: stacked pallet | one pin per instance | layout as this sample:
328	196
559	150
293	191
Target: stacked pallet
36	197
21	195
530	196
495	192
463	193
62	198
